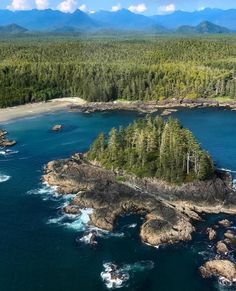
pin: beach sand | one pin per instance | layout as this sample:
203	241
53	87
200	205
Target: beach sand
26	110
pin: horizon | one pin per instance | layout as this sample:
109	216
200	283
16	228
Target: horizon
145	7
114	11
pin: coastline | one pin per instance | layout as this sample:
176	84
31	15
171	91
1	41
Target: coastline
152	106
81	105
32	109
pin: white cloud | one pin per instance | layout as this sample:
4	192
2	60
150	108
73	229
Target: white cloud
201	8
42	4
19	5
67	6
167	8
116	7
83	8
138	8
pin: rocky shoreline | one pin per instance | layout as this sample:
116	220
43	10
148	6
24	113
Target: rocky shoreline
169	210
166	206
151	106
4	142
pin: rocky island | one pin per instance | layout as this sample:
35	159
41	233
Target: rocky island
4	142
154	168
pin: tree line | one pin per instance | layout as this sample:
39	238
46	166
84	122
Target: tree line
146	69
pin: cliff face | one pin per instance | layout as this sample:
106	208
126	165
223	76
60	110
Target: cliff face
168	209
212	196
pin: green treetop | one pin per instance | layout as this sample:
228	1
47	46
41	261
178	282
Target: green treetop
152	147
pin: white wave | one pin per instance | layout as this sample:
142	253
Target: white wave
46	191
50	193
8	152
116	277
113	277
224	282
76	222
227	170
4	178
133	225
156	247
89	238
68	197
81	223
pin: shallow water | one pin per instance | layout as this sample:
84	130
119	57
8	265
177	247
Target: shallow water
38	247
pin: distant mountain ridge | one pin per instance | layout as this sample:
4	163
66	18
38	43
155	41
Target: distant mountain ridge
46	19
211	20
226	18
12	29
204	27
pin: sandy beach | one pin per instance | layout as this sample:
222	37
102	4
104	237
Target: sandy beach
26	110
79	104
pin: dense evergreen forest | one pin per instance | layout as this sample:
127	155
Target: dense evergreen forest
103	69
152	147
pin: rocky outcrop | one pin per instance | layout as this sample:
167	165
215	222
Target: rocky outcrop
158	231
221	248
230	239
57	127
212	196
225	223
2	133
168	209
219	268
4	142
211	233
97	188
71	209
229	235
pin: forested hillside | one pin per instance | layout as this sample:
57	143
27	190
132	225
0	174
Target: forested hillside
104	69
151	147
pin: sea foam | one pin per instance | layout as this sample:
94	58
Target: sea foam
7	152
4	178
74	222
115	276
46	191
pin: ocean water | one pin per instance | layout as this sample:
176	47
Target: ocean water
40	248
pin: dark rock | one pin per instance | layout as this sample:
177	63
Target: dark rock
71	209
168	208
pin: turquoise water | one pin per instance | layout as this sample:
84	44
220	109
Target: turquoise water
38	250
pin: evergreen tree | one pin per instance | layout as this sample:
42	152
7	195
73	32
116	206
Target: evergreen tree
152	147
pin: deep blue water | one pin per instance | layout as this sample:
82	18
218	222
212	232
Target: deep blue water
38	255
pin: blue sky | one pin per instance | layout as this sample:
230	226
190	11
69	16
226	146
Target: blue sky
137	6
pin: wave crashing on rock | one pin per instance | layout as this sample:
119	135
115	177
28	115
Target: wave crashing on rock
117	277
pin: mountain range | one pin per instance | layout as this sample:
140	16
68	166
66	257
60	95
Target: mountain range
204	21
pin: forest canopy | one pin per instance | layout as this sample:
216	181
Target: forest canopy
107	69
152	147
